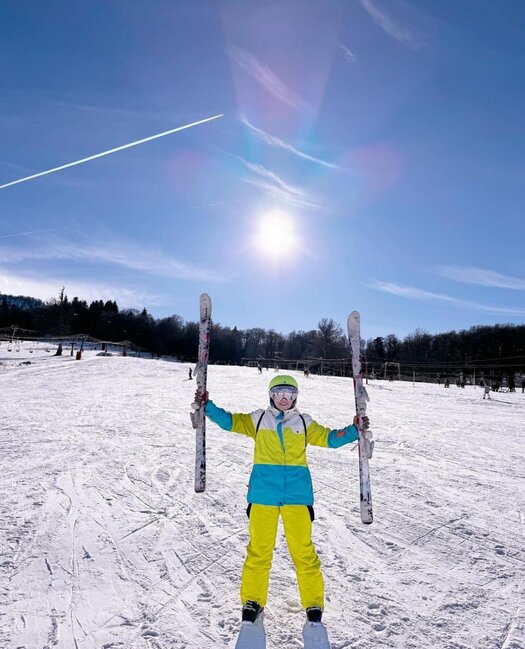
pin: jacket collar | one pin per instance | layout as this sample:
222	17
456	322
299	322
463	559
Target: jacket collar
283	415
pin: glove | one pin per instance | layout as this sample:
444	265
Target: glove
366	422
199	402
367	435
200	399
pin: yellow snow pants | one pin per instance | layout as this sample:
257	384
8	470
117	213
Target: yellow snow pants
298	533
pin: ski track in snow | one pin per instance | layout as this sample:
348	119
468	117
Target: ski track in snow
104	544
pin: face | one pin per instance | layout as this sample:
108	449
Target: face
284	403
283	397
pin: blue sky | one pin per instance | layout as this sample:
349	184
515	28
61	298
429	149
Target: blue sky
370	155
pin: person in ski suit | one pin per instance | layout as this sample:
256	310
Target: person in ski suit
486	391
281	486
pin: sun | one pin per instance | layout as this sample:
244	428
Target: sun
276	235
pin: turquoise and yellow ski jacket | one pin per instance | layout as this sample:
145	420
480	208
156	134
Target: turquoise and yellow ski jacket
280	474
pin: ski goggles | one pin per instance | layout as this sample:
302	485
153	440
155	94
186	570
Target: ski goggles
283	392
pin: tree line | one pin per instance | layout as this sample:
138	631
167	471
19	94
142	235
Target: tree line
498	345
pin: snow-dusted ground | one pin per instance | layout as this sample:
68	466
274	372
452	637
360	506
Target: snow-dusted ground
104	544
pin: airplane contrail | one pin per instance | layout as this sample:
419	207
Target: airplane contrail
119	148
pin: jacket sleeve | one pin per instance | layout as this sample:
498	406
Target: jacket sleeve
235	422
318	435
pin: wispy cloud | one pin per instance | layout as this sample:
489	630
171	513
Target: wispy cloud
130	257
410	292
280	144
263	75
273	185
481	277
349	56
414	293
49	287
31	232
390	26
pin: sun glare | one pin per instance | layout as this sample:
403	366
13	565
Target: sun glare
276	236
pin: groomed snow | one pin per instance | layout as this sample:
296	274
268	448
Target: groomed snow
104	544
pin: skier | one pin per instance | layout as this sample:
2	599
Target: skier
189	374
280	486
486	391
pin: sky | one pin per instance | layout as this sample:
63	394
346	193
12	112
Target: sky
363	155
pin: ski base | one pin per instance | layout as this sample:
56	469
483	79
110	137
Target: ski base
252	635
315	636
198	416
361	398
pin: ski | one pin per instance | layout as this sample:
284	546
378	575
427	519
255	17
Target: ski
198	416
361	398
252	635
315	636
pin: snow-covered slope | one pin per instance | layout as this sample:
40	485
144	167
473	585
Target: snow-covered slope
104	544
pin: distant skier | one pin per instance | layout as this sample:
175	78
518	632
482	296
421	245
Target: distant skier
189	374
522	386
486	391
280	486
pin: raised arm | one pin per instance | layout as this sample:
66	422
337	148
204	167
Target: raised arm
235	422
318	435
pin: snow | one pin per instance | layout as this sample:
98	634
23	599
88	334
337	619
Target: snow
104	543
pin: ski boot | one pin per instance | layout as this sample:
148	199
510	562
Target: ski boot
314	631
252	634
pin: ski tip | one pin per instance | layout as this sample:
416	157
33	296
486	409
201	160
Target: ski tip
205	305
354	323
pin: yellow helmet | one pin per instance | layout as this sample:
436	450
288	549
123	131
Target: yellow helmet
283	379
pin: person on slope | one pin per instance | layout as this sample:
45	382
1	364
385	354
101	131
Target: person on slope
281	486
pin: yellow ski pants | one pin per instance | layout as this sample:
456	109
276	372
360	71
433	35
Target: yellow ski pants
298	532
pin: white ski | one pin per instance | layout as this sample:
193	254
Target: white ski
361	398
315	636
198	416
252	634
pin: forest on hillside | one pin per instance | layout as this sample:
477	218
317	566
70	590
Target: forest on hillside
496	349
